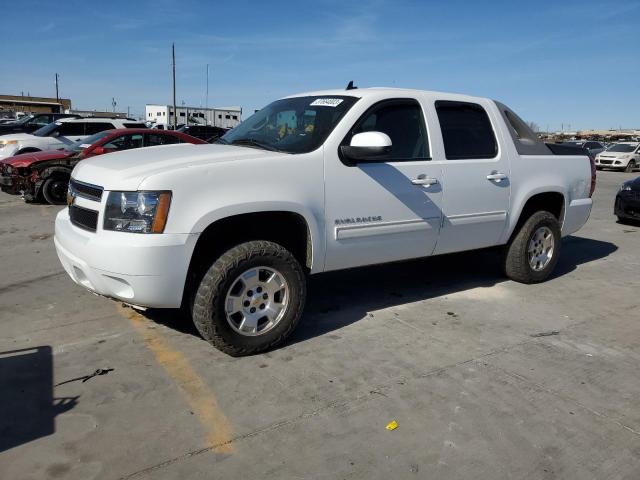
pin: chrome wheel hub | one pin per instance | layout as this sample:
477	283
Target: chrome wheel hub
256	301
541	248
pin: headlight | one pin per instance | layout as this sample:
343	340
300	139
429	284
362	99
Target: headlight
625	187
137	212
9	169
4	143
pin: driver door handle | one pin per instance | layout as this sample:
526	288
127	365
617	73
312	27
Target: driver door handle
422	179
497	176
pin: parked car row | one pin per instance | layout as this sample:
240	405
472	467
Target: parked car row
31	123
620	156
43	166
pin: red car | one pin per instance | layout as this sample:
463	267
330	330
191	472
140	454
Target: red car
46	174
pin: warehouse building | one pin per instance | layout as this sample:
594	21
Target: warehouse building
20	103
225	117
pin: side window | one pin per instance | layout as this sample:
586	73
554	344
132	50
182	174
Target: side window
97	127
403	121
42	120
154	139
466	131
69	129
125	142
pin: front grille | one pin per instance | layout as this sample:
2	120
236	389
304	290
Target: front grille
606	162
83	218
86	190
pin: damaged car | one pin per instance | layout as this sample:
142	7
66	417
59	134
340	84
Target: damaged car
44	176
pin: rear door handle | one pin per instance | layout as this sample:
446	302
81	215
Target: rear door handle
497	176
422	179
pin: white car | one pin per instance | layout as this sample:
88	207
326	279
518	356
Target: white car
312	183
58	134
620	156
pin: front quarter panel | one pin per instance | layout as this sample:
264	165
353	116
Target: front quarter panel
205	193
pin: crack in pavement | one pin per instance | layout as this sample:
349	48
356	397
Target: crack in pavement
24	283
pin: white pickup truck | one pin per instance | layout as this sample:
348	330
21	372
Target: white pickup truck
311	183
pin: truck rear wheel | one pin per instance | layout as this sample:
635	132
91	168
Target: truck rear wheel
631	166
250	299
533	251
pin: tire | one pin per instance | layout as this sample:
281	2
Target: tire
223	286
517	259
631	166
599	168
54	190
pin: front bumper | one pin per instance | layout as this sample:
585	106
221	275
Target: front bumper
147	270
611	163
14	185
627	205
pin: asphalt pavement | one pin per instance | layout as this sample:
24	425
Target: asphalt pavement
486	378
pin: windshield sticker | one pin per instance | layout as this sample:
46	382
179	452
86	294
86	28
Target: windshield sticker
85	145
326	102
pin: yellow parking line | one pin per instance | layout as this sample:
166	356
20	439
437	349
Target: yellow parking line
200	398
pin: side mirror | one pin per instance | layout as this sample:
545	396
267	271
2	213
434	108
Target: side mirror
367	147
98	151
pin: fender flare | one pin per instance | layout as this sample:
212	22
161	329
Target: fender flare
516	211
315	225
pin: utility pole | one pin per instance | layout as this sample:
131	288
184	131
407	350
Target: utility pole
57	95
175	112
206	102
128	115
113	104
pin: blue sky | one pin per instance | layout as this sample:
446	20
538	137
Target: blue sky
553	62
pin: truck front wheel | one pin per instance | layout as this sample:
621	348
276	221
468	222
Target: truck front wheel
533	251
250	299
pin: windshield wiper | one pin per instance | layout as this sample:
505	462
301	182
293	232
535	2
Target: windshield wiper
250	142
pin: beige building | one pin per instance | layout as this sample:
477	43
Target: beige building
19	103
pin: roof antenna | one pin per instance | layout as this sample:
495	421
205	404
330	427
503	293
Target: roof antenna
350	86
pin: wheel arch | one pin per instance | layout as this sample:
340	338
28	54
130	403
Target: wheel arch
552	200
27	150
289	228
48	172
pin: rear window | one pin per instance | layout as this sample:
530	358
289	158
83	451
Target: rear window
97	127
71	128
466	131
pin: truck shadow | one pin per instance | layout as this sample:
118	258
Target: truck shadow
27	405
338	299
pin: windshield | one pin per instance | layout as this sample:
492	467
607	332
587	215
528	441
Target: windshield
578	143
621	147
292	125
22	120
86	142
47	130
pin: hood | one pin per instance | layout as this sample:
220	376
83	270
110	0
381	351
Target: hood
17	136
126	170
607	154
27	159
